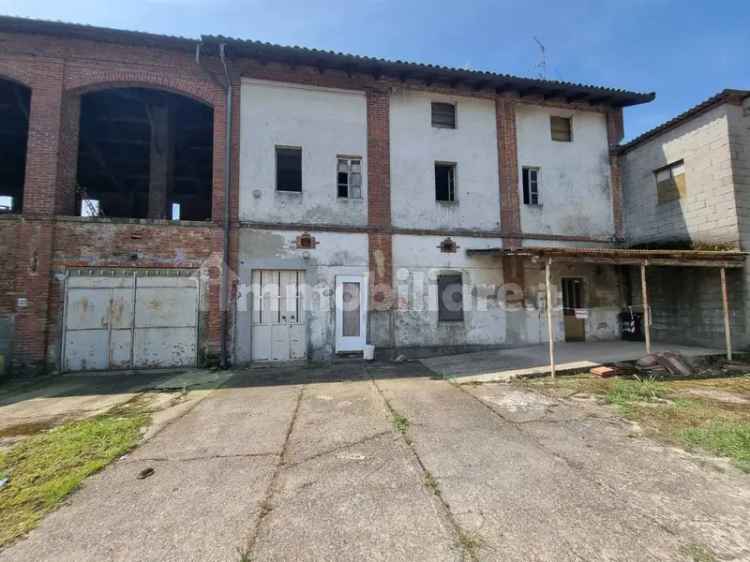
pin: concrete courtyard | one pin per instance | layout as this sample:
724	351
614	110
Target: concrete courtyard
390	462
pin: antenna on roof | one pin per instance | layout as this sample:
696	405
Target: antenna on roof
542	65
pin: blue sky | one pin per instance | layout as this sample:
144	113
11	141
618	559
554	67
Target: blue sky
685	50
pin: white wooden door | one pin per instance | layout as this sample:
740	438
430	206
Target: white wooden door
351	312
278	328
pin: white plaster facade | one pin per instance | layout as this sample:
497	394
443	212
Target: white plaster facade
415	148
575	192
336	254
325	123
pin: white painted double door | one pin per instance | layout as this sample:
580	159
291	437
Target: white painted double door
278	327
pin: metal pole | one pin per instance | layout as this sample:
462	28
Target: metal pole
646	309
550	330
725	302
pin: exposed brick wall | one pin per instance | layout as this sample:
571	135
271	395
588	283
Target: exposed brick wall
8	249
615	133
58	71
136	244
379	199
510	212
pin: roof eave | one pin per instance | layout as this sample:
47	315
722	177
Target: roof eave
430	74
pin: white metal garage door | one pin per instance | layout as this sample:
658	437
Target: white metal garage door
119	319
278	328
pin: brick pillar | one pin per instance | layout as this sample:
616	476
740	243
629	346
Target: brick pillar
161	174
34	255
67	165
510	212
379	215
615	133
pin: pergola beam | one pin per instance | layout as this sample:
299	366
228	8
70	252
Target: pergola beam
646	309
550	329
725	303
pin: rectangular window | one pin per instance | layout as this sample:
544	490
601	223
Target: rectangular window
6	204
175	211
444	115
445	182
89	207
561	128
530	186
349	177
670	182
450	298
288	169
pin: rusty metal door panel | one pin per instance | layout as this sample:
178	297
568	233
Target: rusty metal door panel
86	350
159	347
165	306
130	319
120	349
88	309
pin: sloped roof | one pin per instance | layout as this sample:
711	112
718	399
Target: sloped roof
729	95
403	70
429	73
11	24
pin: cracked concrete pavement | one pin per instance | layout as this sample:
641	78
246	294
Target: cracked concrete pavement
305	464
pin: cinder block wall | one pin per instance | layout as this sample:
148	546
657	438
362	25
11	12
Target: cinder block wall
686	303
709	212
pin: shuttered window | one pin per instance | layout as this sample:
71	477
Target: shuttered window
288	169
450	298
444	115
670	182
561	128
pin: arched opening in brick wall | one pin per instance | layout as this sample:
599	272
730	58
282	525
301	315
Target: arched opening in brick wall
144	153
14	131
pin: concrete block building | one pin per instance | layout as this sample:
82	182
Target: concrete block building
686	184
168	201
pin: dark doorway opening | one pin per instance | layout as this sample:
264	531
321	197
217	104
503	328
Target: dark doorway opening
144	154
15	101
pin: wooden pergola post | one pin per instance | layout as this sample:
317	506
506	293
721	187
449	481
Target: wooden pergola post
646	309
725	302
550	330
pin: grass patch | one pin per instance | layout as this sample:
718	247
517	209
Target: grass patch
400	423
432	484
624	392
698	553
723	438
470	543
671	412
45	468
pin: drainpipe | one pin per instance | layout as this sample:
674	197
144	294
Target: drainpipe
227	175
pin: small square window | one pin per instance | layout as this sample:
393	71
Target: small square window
288	169
444	115
561	128
90	207
450	298
6	204
349	178
670	182
445	182
530	178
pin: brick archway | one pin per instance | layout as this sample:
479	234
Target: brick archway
206	93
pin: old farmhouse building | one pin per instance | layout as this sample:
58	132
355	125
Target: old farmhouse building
168	202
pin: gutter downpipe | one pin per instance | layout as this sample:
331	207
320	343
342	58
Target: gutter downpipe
227	176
